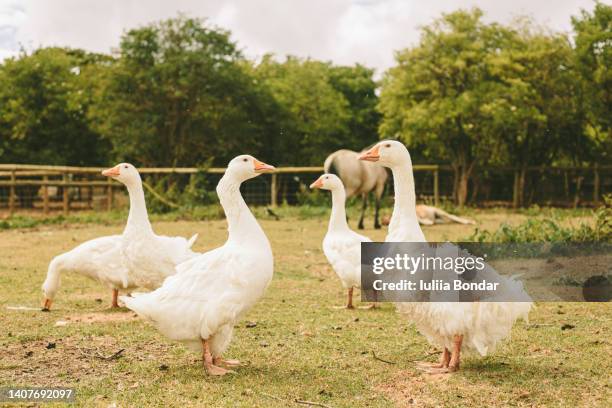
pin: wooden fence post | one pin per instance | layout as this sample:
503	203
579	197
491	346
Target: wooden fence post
515	190
65	203
109	195
46	195
273	190
90	193
578	187
437	187
12	194
596	185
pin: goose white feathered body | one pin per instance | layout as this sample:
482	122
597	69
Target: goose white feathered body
341	245
208	295
210	292
151	258
482	324
98	259
137	258
343	251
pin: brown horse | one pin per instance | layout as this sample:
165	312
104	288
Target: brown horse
359	178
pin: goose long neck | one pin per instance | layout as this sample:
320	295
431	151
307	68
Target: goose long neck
242	225
405	196
137	218
404	222
52	282
337	221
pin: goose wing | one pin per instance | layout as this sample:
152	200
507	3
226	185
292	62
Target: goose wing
207	292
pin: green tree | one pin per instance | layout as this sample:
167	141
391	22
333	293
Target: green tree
433	96
314	116
44	105
180	93
593	49
536	115
357	85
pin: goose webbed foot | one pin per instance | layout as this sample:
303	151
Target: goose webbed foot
441	370
445	359
449	363
218	361
209	363
212	369
370	306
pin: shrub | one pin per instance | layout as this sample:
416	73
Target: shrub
168	194
550	229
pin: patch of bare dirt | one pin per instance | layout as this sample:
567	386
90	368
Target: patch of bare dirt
98	318
56	362
410	389
321	270
69	360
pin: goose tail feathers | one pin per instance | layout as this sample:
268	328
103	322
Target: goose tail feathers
192	240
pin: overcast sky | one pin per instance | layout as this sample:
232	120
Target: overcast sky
344	31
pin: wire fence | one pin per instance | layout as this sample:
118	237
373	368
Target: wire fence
47	189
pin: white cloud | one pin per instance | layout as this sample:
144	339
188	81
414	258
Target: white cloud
344	31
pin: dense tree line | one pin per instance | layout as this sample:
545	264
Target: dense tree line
178	92
473	94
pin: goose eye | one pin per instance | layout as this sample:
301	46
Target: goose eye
245	159
125	167
326	178
388	145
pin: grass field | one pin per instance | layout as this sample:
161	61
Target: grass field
297	346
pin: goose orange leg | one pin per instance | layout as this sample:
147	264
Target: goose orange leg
209	365
453	364
456	357
349	305
115	295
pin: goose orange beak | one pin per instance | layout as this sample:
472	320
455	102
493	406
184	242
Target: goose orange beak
46	305
261	167
372	155
112	172
317	184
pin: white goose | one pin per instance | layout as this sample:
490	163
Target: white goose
98	259
137	258
149	258
201	303
341	245
476	326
